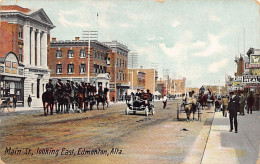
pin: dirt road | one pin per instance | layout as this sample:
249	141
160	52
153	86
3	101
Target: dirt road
104	136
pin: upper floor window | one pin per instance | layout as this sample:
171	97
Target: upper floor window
82	54
70	54
70	68
59	69
20	33
58	54
82	68
97	55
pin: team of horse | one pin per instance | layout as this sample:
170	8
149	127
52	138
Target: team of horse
65	103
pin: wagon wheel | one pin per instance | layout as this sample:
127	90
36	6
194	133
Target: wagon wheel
146	111
10	106
127	111
153	111
2	107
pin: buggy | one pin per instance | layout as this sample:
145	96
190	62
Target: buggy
144	104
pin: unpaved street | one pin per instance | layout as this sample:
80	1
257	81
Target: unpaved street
104	136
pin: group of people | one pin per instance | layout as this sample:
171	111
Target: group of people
235	103
72	89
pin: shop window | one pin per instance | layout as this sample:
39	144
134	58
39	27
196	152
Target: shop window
59	68
82	68
70	68
70	54
82	53
58	54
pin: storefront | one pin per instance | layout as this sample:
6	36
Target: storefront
12	77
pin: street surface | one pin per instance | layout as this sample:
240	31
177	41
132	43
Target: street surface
104	136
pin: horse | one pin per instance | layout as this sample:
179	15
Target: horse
48	97
63	100
80	101
89	100
102	99
190	107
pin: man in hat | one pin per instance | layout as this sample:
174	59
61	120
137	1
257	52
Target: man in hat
138	94
59	87
242	102
49	86
233	108
250	102
67	87
81	88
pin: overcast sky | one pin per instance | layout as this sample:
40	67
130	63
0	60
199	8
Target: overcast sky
196	39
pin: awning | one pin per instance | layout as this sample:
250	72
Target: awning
157	93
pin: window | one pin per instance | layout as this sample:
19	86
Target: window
97	55
20	33
82	68
108	61
58	54
59	69
70	68
120	62
117	62
20	54
32	88
70	54
82	53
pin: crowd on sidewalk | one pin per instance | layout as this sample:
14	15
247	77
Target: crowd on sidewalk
235	103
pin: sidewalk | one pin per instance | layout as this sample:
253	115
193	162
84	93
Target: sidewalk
230	147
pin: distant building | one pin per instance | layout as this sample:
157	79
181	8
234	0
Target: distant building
117	68
24	45
137	79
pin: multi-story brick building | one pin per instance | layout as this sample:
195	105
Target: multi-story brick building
117	68
137	79
68	60
24	40
180	86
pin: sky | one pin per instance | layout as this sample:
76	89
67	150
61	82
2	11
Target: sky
196	39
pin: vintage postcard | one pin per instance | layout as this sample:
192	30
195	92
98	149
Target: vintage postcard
130	81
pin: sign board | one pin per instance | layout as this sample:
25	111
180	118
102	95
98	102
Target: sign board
255	59
238	79
251	79
251	66
112	87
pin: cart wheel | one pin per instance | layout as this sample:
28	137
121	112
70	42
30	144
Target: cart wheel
153	111
146	111
127	111
10	107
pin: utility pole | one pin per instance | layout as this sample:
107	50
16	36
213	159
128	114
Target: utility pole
166	77
90	35
155	68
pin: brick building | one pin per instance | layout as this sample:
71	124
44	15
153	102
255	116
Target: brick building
68	60
137	79
24	40
117	68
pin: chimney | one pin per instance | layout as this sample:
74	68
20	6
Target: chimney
77	38
53	39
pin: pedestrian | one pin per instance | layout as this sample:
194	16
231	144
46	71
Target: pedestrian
225	104
29	100
14	101
233	108
164	101
242	102
250	102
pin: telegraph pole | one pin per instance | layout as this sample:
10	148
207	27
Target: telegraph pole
90	35
155	68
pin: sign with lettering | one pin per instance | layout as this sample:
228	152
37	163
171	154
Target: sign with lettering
251	79
251	66
238	79
255	59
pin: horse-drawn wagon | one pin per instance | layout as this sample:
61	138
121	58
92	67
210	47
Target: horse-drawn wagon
189	107
144	104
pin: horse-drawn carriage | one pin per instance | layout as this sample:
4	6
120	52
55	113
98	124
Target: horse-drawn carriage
143	104
189	106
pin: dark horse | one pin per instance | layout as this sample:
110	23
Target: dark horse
102	99
48	101
63	100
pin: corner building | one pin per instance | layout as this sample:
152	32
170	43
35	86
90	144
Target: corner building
24	41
